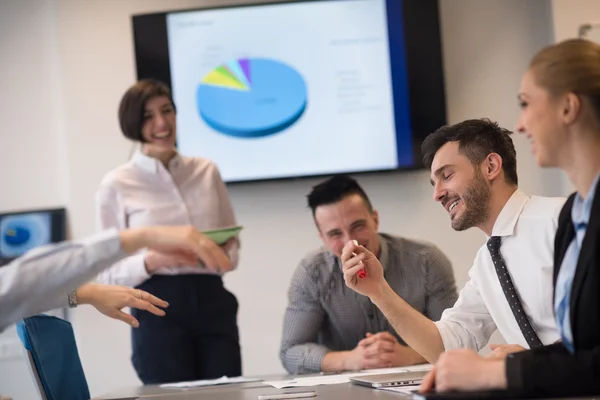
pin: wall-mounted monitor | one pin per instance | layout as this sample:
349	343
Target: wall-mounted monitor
300	88
26	230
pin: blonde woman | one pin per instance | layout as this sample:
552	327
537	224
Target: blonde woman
560	102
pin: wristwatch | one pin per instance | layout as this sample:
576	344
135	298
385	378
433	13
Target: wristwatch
72	299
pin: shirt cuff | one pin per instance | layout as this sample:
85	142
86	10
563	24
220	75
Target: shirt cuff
313	358
514	372
139	273
450	339
234	256
131	271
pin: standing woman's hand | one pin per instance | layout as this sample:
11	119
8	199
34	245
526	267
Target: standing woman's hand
182	243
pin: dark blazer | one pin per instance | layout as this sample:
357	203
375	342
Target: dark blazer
552	370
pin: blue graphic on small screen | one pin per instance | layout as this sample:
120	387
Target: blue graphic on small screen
22	232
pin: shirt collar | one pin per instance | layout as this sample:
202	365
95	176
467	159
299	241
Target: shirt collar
582	208
383	252
151	164
508	217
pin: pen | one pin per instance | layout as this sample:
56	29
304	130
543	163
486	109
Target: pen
363	272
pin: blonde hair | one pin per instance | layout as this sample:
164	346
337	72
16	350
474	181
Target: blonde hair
570	66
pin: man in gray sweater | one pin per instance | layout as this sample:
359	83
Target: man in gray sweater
329	327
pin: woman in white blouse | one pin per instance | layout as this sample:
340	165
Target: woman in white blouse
199	337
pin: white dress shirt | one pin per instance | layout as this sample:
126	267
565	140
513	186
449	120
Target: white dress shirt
527	226
41	279
143	192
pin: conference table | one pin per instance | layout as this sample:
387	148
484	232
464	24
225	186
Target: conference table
252	390
247	391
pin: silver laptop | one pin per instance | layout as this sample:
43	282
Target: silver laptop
390	380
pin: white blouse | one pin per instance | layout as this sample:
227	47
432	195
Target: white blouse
143	192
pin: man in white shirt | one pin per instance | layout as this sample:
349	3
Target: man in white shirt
474	175
41	279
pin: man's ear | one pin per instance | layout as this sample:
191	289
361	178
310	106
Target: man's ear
375	216
319	230
492	166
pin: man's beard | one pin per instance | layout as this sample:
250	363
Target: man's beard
476	204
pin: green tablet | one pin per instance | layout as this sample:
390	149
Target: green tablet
220	236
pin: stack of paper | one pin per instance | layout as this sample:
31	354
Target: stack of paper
311	381
208	382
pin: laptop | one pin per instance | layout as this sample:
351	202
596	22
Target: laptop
389	380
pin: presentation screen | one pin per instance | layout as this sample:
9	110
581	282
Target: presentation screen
301	88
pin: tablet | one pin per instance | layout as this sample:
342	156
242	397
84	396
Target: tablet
220	236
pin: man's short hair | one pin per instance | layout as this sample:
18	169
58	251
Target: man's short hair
476	138
335	189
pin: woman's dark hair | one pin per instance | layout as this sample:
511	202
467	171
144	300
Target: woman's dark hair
133	105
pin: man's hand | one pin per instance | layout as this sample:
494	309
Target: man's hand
184	243
500	351
465	370
385	347
110	299
381	350
354	258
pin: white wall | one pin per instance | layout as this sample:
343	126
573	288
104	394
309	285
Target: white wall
567	16
33	173
30	83
89	63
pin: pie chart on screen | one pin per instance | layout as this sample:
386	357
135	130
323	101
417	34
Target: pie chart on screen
251	97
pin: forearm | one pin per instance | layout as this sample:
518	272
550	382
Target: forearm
419	332
553	369
130	271
335	361
87	292
40	280
411	357
304	358
135	239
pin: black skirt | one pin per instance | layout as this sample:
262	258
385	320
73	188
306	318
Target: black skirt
197	339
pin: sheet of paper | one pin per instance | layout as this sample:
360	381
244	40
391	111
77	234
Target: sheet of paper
332	379
208	382
420	367
408	389
311	381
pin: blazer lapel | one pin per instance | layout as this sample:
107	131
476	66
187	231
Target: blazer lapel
564	235
584	262
561	245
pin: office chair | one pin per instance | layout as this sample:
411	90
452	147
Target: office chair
53	358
